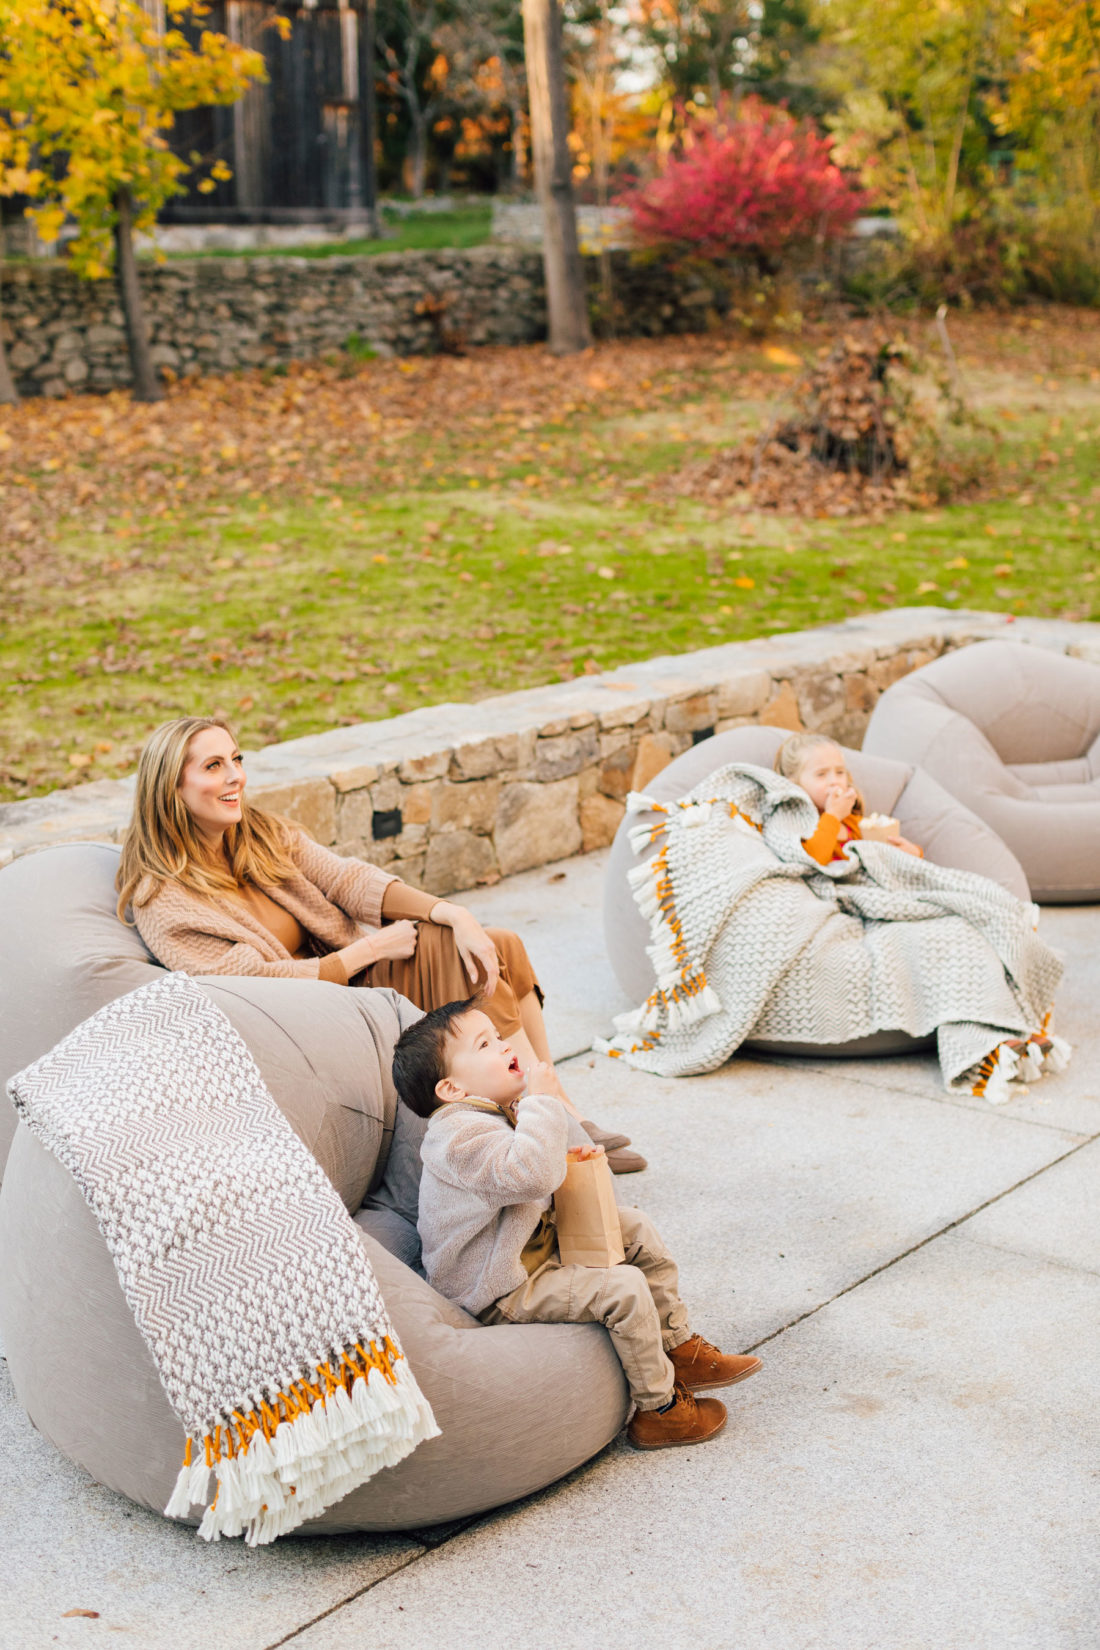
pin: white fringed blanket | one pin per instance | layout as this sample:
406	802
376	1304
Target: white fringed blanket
241	1265
750	937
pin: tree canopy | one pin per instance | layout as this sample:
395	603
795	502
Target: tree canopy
93	88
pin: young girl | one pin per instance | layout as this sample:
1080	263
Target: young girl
817	765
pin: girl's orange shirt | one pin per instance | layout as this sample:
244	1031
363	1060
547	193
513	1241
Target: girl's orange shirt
827	844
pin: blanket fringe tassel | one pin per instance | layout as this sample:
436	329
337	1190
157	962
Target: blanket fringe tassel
294	1454
682	997
1018	1062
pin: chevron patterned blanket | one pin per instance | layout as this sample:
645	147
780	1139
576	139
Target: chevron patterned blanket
750	937
240	1263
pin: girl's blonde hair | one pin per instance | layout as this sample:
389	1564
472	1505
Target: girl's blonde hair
793	754
163	842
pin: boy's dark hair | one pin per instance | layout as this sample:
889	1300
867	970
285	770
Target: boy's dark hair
419	1059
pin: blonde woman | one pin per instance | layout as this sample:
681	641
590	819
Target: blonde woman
217	886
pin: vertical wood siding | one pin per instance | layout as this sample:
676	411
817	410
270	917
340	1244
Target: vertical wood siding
296	142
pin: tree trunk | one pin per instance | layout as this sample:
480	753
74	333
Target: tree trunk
566	302
147	386
9	395
418	156
952	180
601	163
368	119
518	171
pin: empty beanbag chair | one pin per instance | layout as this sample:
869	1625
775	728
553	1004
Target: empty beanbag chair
518	1406
948	832
1014	733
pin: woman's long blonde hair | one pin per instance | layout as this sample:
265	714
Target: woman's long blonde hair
164	844
791	757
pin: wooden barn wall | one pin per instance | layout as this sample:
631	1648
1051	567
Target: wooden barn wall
294	144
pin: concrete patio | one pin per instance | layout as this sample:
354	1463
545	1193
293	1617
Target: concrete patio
914	1468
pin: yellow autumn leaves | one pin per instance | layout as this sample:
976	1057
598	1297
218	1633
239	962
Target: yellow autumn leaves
92	87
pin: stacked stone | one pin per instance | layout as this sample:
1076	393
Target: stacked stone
547	771
218	315
464	816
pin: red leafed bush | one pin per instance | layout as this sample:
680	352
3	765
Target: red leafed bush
758	185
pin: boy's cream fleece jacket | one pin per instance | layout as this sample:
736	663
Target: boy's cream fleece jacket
483	1191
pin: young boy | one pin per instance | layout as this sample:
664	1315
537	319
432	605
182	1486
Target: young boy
492	1161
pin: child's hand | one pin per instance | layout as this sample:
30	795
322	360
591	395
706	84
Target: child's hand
395	939
840	801
906	847
582	1154
543	1079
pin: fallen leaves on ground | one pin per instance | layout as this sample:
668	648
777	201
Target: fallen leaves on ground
345	541
382	424
773	477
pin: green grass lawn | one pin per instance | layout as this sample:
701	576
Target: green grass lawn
468	225
357	540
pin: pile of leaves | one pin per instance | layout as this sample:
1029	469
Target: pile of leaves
860	441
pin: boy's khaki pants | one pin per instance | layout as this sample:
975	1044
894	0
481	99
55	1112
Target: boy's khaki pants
638	1302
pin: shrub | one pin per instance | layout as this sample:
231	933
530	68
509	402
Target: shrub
998	257
756	186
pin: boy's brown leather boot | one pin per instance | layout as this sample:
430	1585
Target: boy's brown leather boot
699	1365
688	1420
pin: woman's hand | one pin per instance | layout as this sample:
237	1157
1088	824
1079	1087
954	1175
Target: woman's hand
478	953
840	801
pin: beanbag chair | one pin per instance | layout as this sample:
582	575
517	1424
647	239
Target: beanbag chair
948	833
519	1406
63	954
1013	732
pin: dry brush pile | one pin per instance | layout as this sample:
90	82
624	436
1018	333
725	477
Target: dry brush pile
866	435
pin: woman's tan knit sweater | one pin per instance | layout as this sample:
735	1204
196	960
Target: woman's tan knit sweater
331	897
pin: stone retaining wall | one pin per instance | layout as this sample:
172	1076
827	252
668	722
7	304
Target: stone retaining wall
217	315
521	224
456	795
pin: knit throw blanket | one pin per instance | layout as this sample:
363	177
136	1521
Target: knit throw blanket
241	1265
750	937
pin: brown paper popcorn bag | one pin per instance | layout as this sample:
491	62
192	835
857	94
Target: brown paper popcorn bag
587	1215
878	828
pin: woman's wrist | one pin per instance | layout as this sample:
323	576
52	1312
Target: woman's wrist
444	914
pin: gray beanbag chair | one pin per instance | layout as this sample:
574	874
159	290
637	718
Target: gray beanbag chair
1014	733
948	833
519	1406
